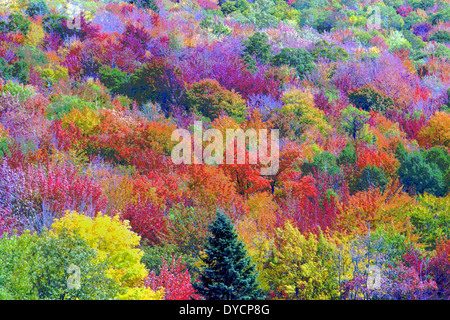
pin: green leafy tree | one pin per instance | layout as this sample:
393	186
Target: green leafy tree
18	70
411	20
441	36
419	176
53	23
148	4
430	218
390	19
441	16
117	81
64	104
17	23
353	120
228	273
368	98
37	9
283	11
157	81
228	7
439	156
298	58
347	155
209	98
258	46
52	268
232	6
371	177
417	42
60	260
326	50
324	162
397	42
421	4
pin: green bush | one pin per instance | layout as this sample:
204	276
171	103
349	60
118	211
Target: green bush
363	36
16	23
418	176
368	98
390	18
153	256
32	56
371	177
391	243
421	4
37	9
353	120
298	58
441	16
347	155
411	20
431	218
157	81
228	7
15	267
257	46
415	41
324	49
439	156
4	146
63	104
148	4
18	70
250	63
324	21
37	267
442	52
441	36
52	23
117	81
21	91
219	28
397	41
324	162
209	98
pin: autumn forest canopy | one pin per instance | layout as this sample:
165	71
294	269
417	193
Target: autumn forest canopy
92	206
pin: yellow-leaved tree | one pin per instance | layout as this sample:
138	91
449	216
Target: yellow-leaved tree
300	105
259	245
116	245
302	267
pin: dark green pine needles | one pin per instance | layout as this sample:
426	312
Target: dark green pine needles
228	273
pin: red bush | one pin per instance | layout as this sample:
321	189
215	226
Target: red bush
147	220
175	280
439	268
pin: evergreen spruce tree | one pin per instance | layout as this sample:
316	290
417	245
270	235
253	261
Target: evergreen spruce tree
228	273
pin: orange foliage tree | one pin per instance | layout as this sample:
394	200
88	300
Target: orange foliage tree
367	210
436	132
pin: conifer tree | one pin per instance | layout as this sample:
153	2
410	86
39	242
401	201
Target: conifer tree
228	273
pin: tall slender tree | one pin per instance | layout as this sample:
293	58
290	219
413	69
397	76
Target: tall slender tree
228	273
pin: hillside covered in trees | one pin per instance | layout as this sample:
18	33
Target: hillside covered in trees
92	205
